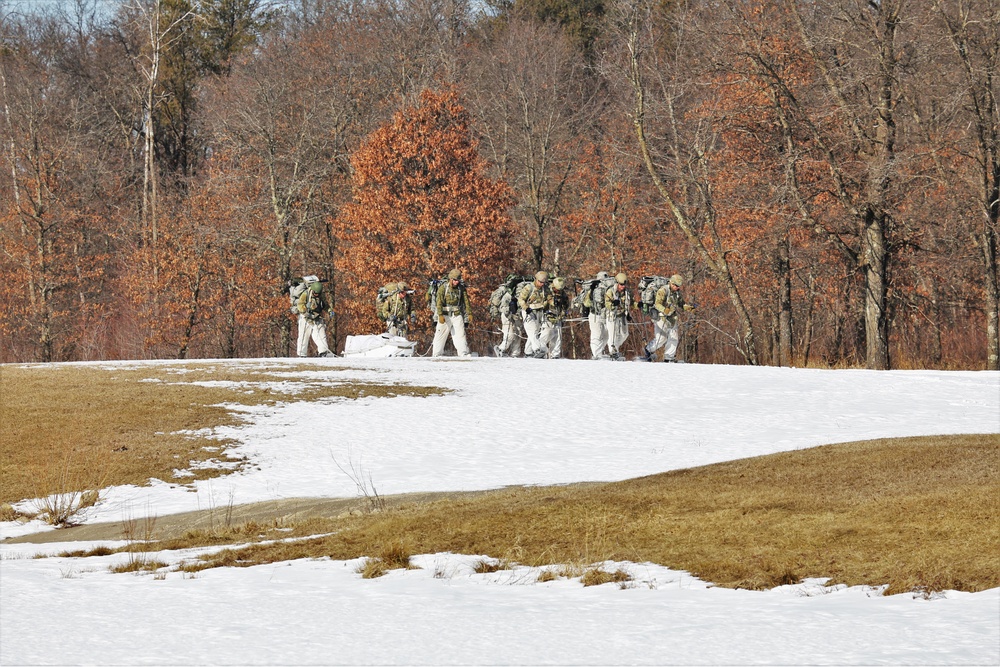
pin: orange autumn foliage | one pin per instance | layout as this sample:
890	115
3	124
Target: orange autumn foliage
422	206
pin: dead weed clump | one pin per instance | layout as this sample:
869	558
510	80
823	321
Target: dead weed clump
392	556
596	576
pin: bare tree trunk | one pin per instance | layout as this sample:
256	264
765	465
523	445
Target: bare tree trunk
784	303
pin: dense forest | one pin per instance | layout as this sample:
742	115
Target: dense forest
824	174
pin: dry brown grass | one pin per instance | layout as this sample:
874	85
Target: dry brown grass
71	429
913	513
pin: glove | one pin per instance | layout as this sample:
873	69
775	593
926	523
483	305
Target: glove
468	319
628	317
688	307
441	319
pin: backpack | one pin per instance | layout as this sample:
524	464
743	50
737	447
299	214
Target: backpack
380	301
510	286
432	293
495	300
296	286
648	287
582	301
516	293
599	287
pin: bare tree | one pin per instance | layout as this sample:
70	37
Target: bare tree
676	147
532	103
973	27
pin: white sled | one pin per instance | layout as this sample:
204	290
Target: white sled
378	346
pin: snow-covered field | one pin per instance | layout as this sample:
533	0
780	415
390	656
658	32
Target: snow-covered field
505	422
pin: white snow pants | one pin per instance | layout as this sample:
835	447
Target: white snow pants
551	339
511	344
534	320
665	334
453	326
315	329
598	334
617	333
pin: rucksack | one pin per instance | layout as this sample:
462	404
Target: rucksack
599	287
648	287
509	286
432	292
496	297
296	286
516	293
582	301
380	298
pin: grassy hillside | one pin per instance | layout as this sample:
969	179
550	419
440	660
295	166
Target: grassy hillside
914	513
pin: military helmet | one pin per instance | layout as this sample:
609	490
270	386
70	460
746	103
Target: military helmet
557	283
400	286
676	279
316	287
391	287
542	277
455	274
621	278
602	274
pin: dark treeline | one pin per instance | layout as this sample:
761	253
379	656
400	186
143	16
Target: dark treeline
825	175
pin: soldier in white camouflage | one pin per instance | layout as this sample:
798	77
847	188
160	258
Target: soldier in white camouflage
312	307
453	311
533	300
398	311
617	313
551	335
598	323
668	305
510	325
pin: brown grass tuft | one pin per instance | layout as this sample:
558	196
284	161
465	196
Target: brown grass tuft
595	577
137	566
489	565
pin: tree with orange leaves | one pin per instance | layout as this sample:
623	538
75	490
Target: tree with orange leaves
422	206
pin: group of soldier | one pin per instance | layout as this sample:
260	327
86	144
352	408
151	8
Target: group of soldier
537	307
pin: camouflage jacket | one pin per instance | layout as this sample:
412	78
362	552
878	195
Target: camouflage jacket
558	306
534	298
452	300
617	304
311	305
397	307
668	303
